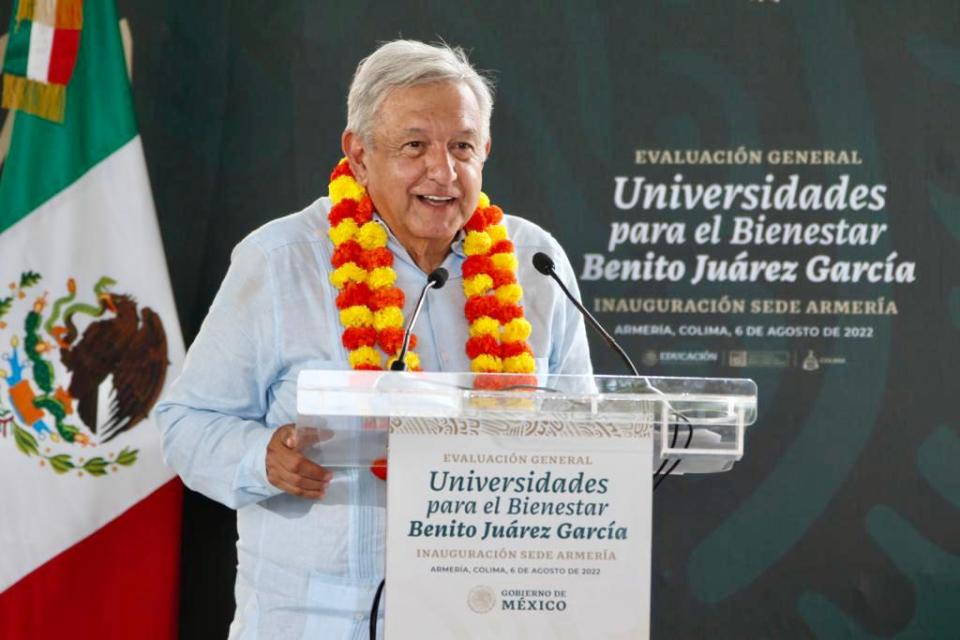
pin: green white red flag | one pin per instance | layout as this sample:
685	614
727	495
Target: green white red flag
41	55
89	515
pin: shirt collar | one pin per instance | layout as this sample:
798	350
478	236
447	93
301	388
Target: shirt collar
456	247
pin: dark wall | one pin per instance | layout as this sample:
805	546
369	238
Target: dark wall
842	520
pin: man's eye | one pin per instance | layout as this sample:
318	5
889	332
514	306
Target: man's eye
414	144
464	150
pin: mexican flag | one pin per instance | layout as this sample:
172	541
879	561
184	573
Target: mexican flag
89	515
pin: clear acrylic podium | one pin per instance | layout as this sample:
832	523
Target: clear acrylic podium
533	431
700	421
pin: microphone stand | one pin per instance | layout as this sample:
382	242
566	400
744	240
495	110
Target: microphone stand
545	265
436	280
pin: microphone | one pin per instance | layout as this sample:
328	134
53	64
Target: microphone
436	280
544	264
438	277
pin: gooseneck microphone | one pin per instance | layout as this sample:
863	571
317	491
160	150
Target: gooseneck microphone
436	280
544	264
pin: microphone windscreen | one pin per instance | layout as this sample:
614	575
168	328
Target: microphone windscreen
543	263
438	277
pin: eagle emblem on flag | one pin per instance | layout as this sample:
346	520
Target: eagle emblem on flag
76	372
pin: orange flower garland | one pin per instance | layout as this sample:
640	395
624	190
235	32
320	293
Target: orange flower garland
498	330
371	306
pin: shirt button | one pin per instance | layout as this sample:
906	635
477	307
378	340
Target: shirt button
358	617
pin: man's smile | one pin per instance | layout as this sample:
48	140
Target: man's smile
436	201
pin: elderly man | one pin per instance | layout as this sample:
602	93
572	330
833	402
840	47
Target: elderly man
329	288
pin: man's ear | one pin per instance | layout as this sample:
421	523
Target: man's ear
355	151
486	148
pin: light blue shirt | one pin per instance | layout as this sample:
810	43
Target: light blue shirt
309	569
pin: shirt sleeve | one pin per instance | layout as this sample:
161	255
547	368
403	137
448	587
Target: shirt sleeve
570	352
212	417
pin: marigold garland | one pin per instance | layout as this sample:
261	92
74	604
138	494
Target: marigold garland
371	306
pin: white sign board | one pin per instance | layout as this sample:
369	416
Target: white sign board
494	536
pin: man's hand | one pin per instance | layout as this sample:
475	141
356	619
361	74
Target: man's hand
290	470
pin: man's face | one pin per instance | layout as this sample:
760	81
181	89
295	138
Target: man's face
424	167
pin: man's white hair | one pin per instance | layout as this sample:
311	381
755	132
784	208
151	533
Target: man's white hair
407	63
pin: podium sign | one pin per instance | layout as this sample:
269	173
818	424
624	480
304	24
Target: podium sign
489	538
520	508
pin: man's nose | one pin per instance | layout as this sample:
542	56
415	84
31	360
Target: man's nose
441	165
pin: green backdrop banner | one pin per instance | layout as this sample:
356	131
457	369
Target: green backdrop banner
746	188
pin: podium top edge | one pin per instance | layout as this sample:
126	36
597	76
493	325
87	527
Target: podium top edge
673	386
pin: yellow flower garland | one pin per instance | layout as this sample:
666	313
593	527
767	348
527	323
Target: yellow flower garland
371	306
